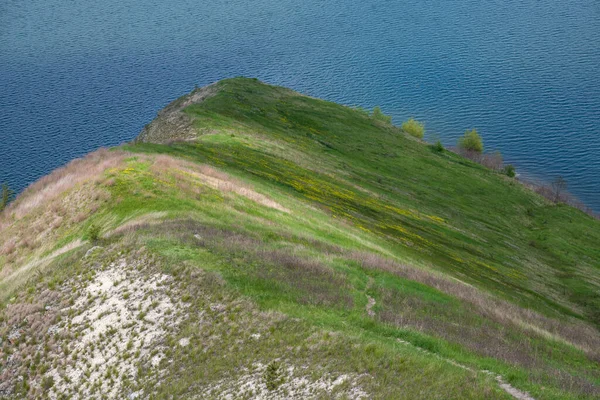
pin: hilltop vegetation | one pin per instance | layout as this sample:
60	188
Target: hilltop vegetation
293	247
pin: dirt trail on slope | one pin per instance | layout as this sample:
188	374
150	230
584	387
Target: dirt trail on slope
507	387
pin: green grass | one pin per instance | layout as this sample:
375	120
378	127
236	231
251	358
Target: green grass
439	208
463	263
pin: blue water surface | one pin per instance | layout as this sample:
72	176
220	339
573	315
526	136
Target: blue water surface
79	74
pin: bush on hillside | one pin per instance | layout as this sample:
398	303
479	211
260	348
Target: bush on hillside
414	128
6	196
471	142
94	233
380	116
273	376
559	188
556	192
510	171
438	147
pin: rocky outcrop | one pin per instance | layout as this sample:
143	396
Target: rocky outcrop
172	123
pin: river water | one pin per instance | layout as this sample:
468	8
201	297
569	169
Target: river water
79	74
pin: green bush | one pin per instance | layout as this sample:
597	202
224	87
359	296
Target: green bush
6	196
94	233
438	147
471	142
273	376
510	171
380	116
414	128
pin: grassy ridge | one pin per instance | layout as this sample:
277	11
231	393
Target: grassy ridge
415	270
455	214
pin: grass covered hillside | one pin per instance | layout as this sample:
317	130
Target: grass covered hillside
257	243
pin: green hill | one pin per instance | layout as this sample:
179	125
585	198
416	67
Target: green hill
257	243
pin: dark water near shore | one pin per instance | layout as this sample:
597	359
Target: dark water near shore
79	74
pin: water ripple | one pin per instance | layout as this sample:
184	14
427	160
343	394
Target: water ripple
78	75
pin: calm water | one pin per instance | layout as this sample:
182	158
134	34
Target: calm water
79	74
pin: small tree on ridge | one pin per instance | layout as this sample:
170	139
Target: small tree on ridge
414	128
471	142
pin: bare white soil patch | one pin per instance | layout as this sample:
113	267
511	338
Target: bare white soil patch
370	304
119	321
289	382
513	391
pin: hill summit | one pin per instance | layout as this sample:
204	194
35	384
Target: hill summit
256	243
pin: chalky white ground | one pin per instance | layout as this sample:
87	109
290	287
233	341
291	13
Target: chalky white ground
119	317
296	384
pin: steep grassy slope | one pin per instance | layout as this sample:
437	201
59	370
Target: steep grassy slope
266	244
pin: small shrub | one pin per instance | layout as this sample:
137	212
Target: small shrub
94	233
471	142
438	147
47	383
414	128
559	187
380	116
510	171
273	376
6	196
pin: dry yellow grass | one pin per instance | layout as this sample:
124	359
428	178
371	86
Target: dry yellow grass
51	186
214	178
11	278
31	225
